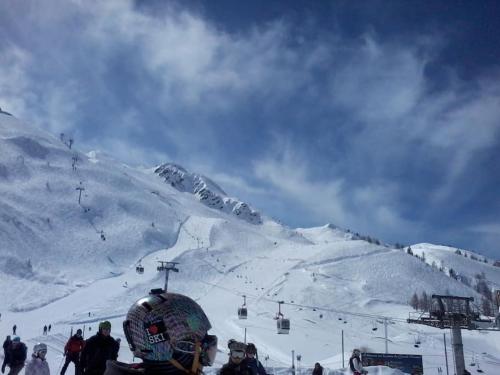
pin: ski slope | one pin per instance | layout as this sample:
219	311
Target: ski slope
56	268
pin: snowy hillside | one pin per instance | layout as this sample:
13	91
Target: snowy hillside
463	262
72	263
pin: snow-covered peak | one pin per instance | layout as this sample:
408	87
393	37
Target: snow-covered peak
325	234
207	191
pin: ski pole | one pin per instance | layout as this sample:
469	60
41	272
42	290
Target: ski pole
60	365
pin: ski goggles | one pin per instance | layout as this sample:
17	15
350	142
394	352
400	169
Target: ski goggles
208	349
238	354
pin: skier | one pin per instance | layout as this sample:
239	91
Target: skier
97	350
6	352
17	355
355	363
45	329
252	360
169	332
50	327
236	364
318	369
14	328
38	364
72	351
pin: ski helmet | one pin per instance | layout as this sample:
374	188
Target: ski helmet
40	348
163	324
16	339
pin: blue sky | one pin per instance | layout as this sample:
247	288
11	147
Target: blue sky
378	116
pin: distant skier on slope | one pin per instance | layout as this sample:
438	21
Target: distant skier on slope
14	329
45	330
38	364
355	363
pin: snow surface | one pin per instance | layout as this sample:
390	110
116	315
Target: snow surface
55	268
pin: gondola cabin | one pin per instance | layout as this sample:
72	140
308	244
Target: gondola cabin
283	326
242	313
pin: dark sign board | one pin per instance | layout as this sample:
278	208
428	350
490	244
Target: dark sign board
407	363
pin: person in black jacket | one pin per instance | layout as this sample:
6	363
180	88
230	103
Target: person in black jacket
237	363
17	355
97	350
6	348
318	369
252	360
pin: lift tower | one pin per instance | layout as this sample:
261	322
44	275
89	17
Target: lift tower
455	313
167	267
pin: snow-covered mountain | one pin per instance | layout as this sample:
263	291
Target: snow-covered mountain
73	226
206	191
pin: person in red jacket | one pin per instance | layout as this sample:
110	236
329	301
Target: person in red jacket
72	351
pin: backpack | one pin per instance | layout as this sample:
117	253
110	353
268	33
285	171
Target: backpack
74	345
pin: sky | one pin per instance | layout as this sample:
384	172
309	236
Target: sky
382	117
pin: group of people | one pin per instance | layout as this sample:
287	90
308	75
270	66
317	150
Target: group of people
88	356
168	331
243	360
47	329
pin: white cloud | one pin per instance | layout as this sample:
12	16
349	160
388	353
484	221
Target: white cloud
371	93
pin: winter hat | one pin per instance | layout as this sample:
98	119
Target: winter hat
16	339
40	347
237	346
105	325
78	331
251	349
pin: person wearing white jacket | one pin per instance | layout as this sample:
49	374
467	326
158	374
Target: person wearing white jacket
38	364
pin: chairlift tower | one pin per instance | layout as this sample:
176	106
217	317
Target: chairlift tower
80	188
455	313
167	267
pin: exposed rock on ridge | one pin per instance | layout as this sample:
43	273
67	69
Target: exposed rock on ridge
208	192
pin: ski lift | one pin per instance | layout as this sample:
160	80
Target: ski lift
242	311
139	269
282	324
